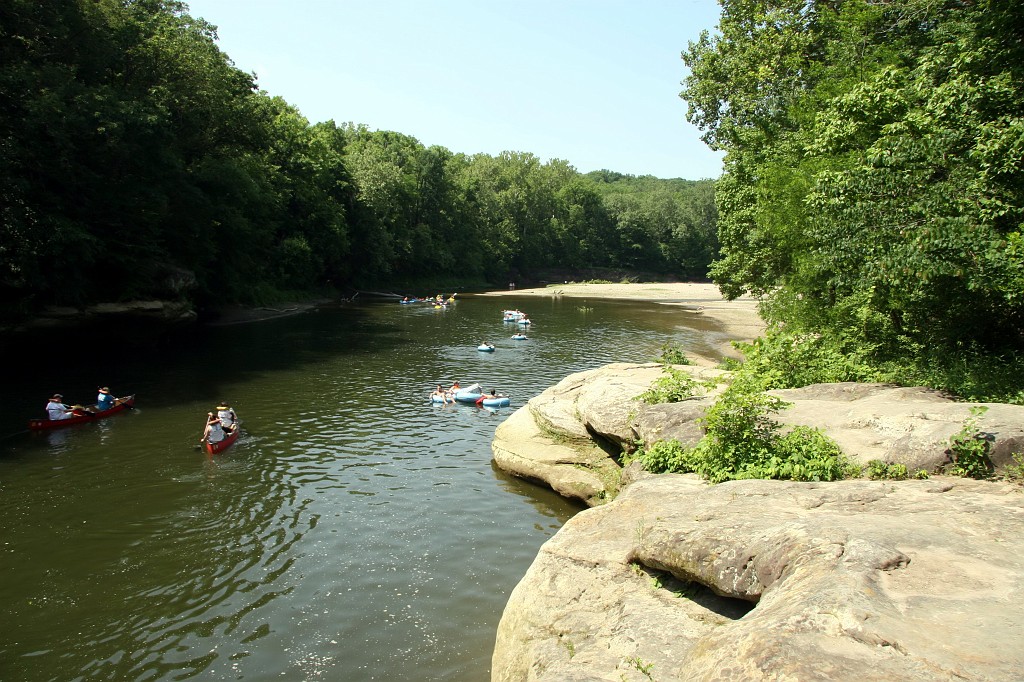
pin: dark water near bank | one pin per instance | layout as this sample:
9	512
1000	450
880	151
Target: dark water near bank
355	531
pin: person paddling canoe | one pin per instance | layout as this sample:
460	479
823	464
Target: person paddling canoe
56	409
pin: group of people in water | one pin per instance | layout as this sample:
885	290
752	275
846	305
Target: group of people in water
220	424
448	395
56	409
439	301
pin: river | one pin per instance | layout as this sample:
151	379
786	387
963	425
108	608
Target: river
354	532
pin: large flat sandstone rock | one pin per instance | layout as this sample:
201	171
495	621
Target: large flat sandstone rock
908	425
912	426
855	580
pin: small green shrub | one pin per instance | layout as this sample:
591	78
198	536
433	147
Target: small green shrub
969	448
742	441
1015	471
878	470
641	665
676	386
663	456
673	354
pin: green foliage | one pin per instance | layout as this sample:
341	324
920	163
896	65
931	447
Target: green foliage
969	448
675	386
139	162
887	471
641	665
673	354
872	190
1015	471
785	359
743	441
663	456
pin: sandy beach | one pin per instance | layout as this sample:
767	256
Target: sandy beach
739	318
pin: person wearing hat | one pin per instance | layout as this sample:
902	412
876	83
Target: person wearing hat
214	432
105	401
56	409
227	416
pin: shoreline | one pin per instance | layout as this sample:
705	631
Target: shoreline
739	318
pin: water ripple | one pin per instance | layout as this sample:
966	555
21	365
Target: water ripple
356	531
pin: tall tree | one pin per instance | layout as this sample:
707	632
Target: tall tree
872	183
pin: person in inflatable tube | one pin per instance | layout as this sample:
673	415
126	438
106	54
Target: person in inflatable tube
443	394
493	395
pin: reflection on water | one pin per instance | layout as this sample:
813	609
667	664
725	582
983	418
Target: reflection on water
356	531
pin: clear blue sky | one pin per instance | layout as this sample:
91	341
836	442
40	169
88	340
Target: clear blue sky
593	82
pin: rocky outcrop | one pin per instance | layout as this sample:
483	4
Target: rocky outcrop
576	470
768	580
599	408
906	425
575	428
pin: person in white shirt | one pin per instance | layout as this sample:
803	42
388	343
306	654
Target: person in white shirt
214	432
56	409
227	416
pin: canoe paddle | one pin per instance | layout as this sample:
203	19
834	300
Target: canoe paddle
203	439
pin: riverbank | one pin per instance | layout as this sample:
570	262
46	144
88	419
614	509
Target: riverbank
237	314
738	318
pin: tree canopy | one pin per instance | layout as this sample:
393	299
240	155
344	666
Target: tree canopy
873	187
136	160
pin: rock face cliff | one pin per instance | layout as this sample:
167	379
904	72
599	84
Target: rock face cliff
769	580
675	579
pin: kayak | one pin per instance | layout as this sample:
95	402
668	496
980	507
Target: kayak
229	439
39	424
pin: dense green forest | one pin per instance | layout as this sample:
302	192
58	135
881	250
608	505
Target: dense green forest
873	190
137	161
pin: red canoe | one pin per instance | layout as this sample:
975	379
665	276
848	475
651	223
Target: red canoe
229	439
124	404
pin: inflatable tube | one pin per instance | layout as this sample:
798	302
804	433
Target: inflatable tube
519	337
485	348
523	322
469	394
438	399
501	401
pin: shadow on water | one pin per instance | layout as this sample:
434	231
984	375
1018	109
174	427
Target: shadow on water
167	366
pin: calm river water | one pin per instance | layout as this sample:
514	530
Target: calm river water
354	532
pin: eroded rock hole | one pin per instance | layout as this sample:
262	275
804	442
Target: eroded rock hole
695	592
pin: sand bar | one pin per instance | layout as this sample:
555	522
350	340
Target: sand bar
739	318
